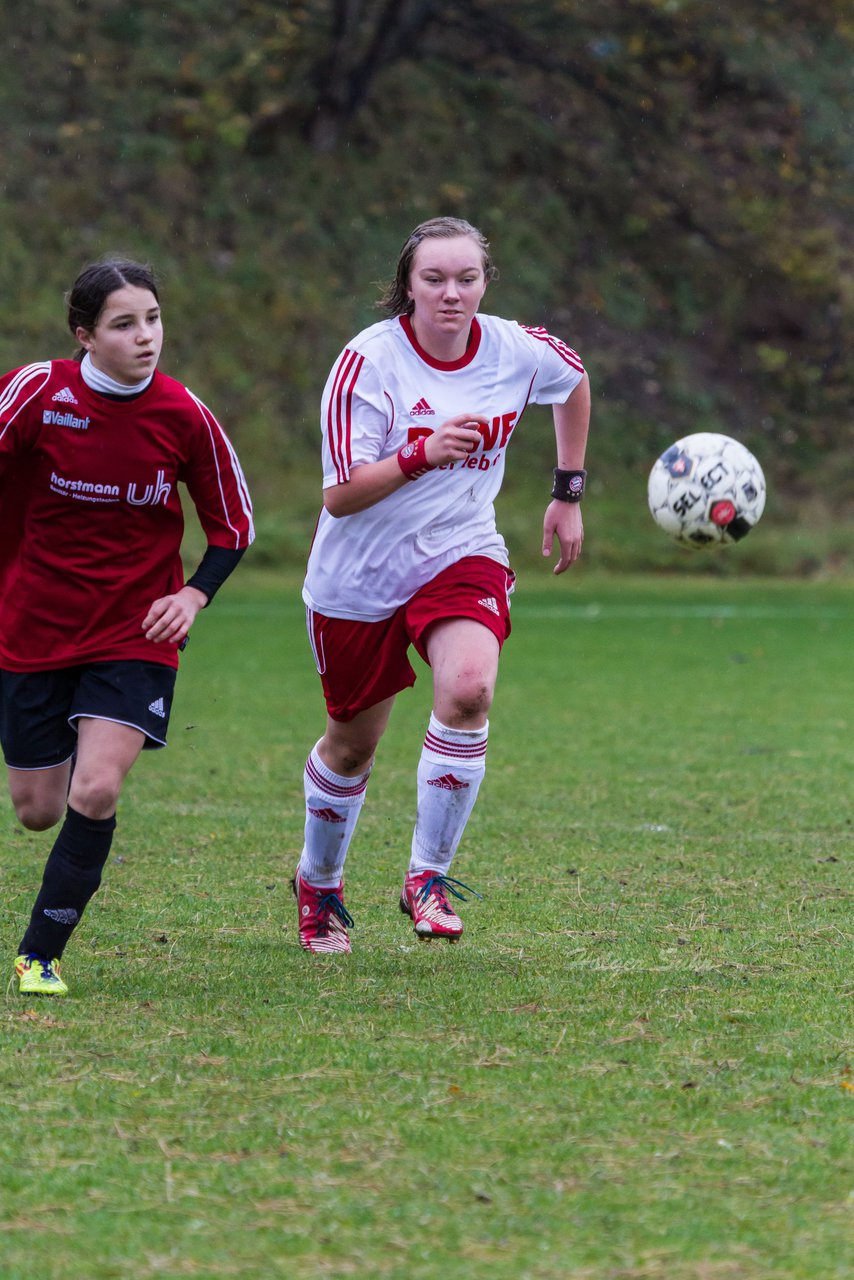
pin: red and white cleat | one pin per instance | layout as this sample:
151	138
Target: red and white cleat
323	918
425	900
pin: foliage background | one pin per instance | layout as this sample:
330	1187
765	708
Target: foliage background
667	184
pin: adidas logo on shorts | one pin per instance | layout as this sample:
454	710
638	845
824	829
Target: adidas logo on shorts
157	708
490	603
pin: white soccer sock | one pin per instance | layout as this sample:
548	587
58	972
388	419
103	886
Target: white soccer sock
450	771
332	806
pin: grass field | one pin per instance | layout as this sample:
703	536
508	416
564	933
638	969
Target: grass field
636	1065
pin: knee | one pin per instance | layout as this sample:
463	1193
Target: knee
354	758
350	757
38	815
469	701
95	794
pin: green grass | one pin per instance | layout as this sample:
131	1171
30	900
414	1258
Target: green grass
635	1066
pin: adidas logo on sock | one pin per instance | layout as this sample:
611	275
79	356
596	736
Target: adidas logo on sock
65	396
62	915
490	603
448	783
157	708
421	409
326	815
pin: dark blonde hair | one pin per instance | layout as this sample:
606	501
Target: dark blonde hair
395	299
88	295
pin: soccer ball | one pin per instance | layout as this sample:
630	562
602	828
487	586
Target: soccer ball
706	489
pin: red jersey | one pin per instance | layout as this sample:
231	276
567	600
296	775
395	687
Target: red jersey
90	515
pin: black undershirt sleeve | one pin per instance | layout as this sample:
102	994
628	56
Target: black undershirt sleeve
216	564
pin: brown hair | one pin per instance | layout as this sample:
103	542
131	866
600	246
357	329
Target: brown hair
395	299
88	295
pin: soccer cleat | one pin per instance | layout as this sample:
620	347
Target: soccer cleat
425	900
38	977
323	918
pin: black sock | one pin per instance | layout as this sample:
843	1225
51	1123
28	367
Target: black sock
72	875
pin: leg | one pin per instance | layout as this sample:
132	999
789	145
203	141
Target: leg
464	657
335	780
348	746
106	751
362	667
38	743
39	795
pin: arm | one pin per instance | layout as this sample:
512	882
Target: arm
563	519
370	482
171	617
217	486
356	416
217	564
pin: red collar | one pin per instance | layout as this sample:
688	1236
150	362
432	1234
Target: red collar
448	365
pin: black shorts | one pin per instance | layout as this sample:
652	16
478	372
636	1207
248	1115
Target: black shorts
39	709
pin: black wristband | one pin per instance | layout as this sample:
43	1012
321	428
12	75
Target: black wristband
569	485
216	564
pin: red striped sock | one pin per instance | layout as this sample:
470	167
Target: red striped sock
451	769
332	807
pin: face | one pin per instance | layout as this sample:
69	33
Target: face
125	343
446	284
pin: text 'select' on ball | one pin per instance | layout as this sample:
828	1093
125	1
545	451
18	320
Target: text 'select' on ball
706	490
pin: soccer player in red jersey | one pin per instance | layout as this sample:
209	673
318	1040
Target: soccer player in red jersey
417	416
93	603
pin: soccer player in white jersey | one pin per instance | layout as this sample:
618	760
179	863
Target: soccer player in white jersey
417	415
93	603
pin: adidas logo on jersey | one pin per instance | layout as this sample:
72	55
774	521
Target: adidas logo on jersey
421	410
448	783
326	815
157	708
490	603
65	396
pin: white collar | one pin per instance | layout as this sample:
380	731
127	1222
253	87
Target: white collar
108	386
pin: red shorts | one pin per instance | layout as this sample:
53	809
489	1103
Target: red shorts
363	663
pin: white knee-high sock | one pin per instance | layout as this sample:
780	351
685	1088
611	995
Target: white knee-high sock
450	771
332	807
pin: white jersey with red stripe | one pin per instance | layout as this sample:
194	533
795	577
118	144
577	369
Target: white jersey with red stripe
91	515
384	391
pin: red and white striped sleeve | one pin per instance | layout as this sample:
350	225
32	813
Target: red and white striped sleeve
355	416
17	430
559	367
17	389
216	483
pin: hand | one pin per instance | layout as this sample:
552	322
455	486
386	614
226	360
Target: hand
563	521
170	618
454	440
